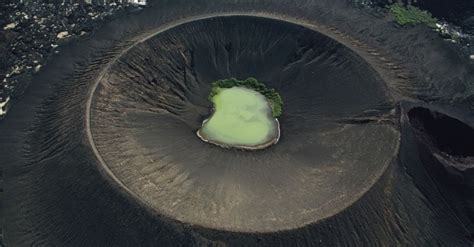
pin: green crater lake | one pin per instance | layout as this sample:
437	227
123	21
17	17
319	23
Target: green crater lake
242	118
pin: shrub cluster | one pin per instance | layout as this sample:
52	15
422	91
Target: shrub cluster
276	103
411	15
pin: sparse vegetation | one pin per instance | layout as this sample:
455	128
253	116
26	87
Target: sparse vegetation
411	15
276	103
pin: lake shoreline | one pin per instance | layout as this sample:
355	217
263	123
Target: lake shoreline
265	145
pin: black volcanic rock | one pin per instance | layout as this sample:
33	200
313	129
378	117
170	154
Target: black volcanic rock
36	25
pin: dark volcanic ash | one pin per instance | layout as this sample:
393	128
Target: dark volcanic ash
102	151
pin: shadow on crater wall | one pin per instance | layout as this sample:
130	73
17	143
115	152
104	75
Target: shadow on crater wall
448	134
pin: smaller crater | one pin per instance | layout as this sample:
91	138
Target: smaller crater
446	133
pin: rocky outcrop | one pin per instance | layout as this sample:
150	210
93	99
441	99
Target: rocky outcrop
31	32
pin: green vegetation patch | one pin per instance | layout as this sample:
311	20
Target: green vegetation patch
411	15
273	97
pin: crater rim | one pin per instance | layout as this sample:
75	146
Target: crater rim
103	165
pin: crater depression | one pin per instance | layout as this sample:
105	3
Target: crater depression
150	102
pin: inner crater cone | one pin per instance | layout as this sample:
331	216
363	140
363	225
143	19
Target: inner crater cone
152	100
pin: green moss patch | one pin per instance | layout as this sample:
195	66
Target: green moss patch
411	15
